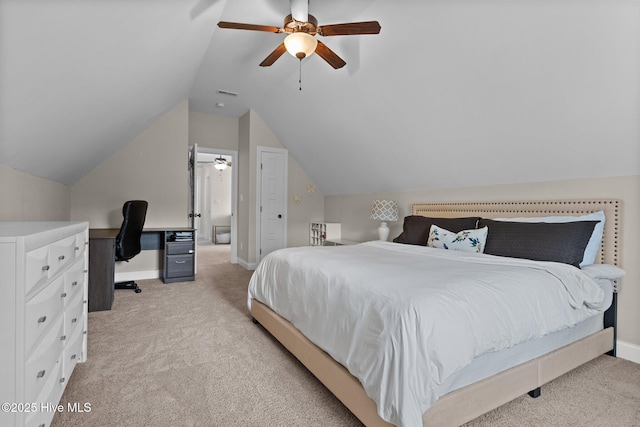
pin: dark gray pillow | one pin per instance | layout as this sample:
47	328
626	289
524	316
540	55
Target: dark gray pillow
415	230
539	241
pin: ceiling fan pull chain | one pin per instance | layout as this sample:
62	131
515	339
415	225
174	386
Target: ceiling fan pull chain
300	77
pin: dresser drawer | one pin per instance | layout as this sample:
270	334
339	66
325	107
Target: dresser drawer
61	253
81	244
41	364
73	316
43	309
72	353
179	266
36	268
178	248
50	393
74	279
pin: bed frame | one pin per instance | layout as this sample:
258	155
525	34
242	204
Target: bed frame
467	403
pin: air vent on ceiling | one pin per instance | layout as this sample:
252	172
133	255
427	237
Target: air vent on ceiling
226	92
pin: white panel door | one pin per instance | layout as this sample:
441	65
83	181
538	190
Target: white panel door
273	201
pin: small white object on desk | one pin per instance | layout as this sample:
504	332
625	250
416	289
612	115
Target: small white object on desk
339	242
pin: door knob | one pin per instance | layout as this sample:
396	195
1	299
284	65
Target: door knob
279	216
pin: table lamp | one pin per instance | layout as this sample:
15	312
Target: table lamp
384	210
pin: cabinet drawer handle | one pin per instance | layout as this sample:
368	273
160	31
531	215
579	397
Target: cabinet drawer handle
180	262
40	374
190	251
46	267
62	379
62	338
74	283
42	319
61	257
63	295
74	320
73	356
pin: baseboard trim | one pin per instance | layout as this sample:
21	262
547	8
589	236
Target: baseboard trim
247	266
137	275
625	350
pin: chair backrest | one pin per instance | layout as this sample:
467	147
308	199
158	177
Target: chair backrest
128	239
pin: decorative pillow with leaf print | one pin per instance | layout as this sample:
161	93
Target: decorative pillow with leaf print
466	240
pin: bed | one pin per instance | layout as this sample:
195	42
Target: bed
481	381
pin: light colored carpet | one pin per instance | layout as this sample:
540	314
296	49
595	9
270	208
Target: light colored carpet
187	354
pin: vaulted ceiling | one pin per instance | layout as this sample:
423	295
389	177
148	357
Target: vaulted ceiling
451	93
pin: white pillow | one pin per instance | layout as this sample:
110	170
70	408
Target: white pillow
466	240
603	271
591	251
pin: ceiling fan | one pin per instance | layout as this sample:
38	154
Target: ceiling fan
301	29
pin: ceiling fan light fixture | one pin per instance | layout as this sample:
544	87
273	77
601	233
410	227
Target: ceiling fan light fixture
300	44
220	163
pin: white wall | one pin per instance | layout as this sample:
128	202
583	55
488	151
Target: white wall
152	167
353	212
245	135
255	133
30	198
212	131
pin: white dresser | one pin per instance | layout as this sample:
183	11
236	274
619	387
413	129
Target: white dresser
43	316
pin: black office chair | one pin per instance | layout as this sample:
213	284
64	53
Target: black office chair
128	239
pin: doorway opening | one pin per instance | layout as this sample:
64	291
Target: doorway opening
215	196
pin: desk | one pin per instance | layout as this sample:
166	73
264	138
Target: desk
177	262
102	259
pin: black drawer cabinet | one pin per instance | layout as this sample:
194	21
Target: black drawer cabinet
180	267
179	259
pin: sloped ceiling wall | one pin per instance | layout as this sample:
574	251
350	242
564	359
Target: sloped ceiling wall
80	79
449	94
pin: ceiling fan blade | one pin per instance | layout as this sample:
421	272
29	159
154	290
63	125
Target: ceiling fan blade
273	56
351	28
330	56
252	27
300	10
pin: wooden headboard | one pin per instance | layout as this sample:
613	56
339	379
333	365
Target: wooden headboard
609	249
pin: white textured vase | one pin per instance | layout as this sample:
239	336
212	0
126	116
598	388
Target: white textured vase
383	231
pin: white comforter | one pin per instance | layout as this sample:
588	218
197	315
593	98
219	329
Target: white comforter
403	318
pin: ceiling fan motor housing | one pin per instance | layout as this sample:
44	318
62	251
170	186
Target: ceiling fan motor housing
293	26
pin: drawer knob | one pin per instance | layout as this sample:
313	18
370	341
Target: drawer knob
46	267
40	374
190	251
74	320
73	356
61	257
63	295
77	248
42	319
62	379
62	338
75	283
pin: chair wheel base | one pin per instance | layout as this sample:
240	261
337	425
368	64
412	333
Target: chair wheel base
128	285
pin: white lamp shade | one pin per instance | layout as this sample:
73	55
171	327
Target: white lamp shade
384	210
300	44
